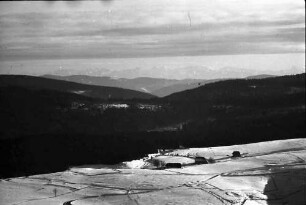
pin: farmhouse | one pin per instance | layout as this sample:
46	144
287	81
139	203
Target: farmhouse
236	154
200	160
173	165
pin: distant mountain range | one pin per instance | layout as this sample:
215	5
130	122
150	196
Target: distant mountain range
180	72
156	86
93	91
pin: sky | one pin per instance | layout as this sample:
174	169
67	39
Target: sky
138	31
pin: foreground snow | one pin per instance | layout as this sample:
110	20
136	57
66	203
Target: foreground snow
267	173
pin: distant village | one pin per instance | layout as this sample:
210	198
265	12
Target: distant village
101	107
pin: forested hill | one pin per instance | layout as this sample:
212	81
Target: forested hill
50	130
265	92
237	111
39	83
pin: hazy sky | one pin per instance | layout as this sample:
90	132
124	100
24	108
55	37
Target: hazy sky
149	28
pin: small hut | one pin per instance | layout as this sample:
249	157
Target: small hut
236	154
173	165
200	160
161	151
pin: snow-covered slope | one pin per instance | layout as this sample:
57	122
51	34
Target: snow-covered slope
267	173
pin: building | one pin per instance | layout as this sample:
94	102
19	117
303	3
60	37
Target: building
236	154
173	165
200	160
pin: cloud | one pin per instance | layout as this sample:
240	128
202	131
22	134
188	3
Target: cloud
149	28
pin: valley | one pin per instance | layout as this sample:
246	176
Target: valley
46	128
